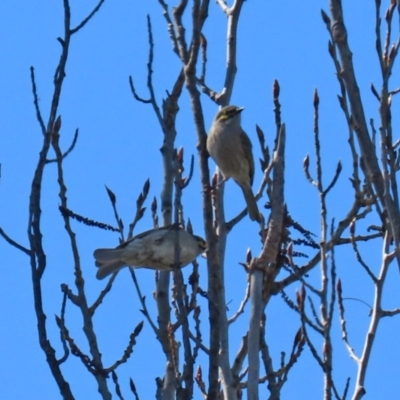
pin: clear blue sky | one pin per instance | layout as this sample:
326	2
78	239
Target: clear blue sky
118	146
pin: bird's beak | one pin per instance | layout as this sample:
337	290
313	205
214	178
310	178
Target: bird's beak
239	110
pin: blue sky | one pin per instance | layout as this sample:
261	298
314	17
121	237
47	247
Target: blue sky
118	146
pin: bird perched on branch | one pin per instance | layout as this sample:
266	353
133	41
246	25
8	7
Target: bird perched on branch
153	249
231	150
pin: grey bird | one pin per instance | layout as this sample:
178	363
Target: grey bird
231	150
153	249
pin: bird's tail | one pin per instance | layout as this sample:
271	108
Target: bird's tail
252	208
108	261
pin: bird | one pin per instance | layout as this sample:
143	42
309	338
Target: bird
153	249
231	149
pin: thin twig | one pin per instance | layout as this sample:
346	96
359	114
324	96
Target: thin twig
36	102
14	243
142	299
242	305
170	26
88	18
71	147
128	351
62	338
343	322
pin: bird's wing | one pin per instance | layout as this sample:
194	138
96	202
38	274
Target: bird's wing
246	143
159	232
138	236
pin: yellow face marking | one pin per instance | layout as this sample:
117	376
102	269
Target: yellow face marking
229	113
201	242
224	116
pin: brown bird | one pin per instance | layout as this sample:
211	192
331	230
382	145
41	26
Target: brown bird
153	249
231	150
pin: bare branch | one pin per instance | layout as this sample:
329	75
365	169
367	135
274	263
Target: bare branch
224	6
180	31
338	33
358	255
133	389
142	299
88	18
62	319
170	26
71	147
36	102
135	95
128	351
92	309
233	20
375	319
116	383
266	263
14	243
343	322
242	305
335	178
390	313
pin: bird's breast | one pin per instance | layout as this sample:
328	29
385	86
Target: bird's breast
226	150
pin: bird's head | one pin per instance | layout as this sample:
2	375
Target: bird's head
201	243
228	113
